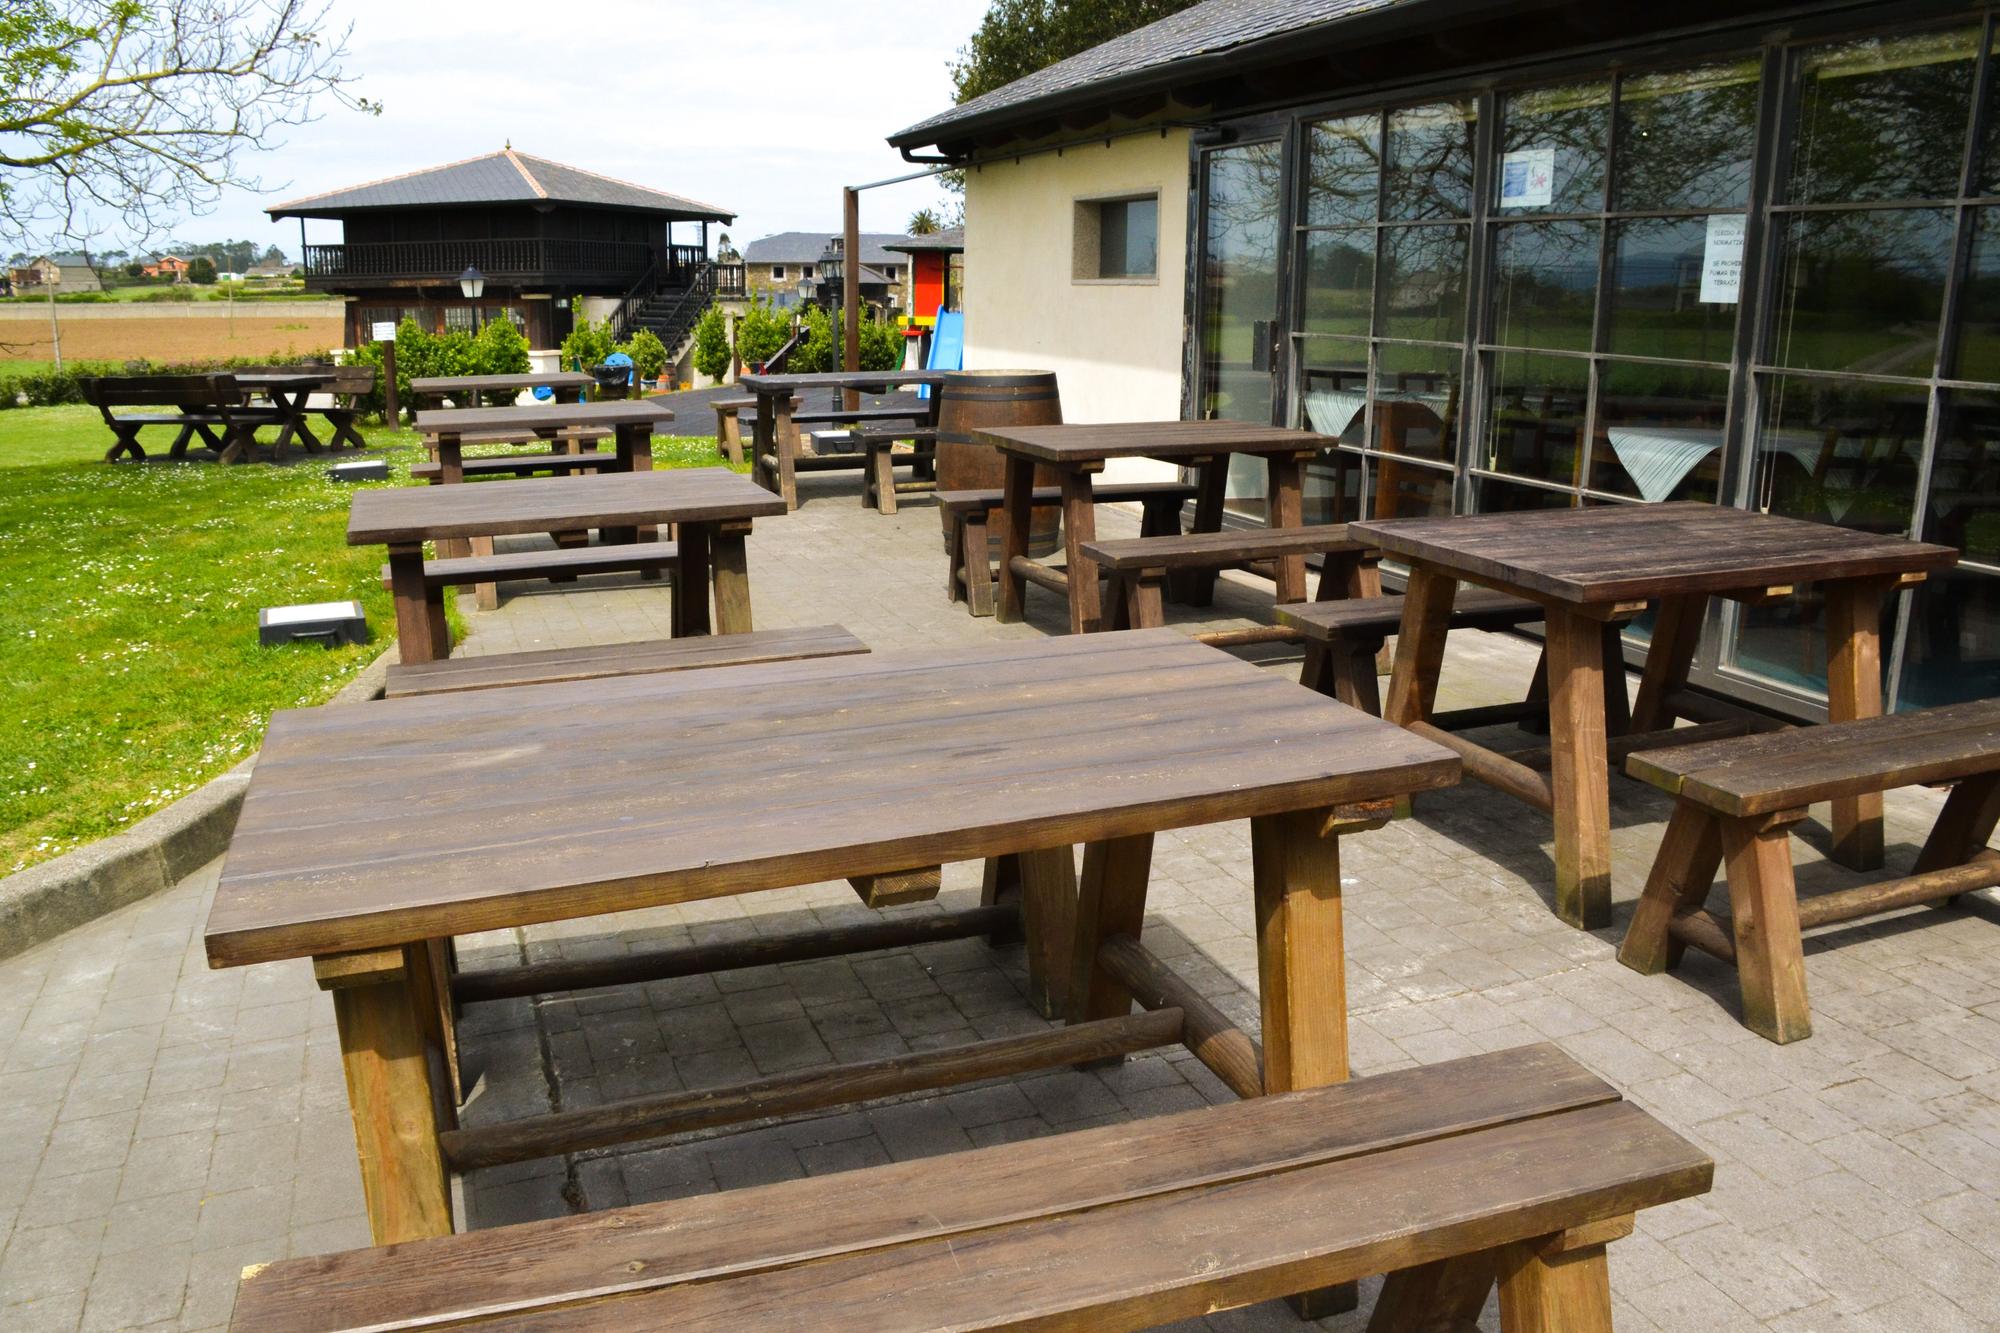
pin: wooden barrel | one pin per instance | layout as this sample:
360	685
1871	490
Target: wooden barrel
970	401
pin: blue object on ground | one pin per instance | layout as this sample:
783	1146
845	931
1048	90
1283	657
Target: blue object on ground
544	392
620	359
947	346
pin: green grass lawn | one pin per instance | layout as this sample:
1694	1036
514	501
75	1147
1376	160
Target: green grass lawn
130	671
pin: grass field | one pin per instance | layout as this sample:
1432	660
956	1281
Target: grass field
129	666
177	333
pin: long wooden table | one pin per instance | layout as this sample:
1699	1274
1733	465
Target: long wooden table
631	422
370	836
287	391
568	386
1596	567
1079	453
712	509
777	435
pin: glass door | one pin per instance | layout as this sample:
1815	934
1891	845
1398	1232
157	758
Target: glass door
1238	319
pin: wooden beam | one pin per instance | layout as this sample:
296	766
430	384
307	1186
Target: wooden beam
1225	1048
1493	768
788	1094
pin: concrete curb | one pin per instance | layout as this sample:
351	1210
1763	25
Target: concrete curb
159	851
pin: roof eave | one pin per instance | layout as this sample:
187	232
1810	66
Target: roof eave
343	210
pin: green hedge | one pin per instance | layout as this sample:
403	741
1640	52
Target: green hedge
53	388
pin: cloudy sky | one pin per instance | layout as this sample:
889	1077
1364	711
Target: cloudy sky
764	107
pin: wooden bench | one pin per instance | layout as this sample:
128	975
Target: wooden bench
570	439
968	513
777	468
203	404
517	465
1736	802
486	569
1344	637
596	661
1138	568
1517	1167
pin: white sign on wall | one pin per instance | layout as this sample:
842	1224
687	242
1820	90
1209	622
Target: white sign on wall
385	330
1528	178
1722	259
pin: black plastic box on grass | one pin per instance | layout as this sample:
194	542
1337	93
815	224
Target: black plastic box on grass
328	623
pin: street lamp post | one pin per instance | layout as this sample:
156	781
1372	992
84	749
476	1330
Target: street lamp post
472	285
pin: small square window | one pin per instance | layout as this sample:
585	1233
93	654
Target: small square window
777	273
1117	238
806	272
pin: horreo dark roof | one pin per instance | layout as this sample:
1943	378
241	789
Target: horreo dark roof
505	177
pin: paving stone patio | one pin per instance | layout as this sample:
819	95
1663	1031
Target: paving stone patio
166	1125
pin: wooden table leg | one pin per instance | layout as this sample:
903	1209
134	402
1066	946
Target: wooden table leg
1112	901
1764	917
1288	511
1413	682
1048	913
786	435
300	425
1676	635
729	557
1546	1289
416	638
1301	962
763	442
486	596
1854	690
392	1092
1683	872
1016	513
1196	587
451	472
689	613
1080	526
1579	769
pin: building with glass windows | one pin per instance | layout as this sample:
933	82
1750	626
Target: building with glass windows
1537	255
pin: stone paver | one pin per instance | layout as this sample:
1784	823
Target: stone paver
166	1125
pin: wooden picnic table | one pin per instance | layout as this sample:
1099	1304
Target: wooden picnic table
1079	453
631	421
287	392
569	386
1594	568
776	434
712	509
370	836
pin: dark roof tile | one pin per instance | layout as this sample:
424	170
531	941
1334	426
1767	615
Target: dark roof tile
497	178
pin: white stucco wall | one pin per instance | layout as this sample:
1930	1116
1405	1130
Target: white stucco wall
1116	346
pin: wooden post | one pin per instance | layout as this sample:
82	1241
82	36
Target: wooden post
415	635
850	286
1564	1292
1683	872
1764	916
390	1092
1676	634
1301	965
731	572
392	411
1579	771
1080	526
1112	902
1048	911
689	613
1015	516
1853	691
1420	645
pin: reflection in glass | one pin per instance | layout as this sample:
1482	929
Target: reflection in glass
1884	118
1416	402
1498	497
1400	489
1239	280
1862	291
1563	129
1979	302
1953	650
1333	488
1423	283
1841	451
1545	284
1659	431
1333	388
1430	155
1656	305
1535	422
1785	641
1685	137
1343	170
1964	500
1340	280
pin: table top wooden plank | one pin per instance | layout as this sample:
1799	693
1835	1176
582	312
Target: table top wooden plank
280	378
550	504
865	380
554	379
412	819
625	412
1616	553
1151	439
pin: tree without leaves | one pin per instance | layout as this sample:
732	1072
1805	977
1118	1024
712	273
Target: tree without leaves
139	111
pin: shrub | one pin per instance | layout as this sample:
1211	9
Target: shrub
824	349
648	353
760	333
882	345
201	271
711	344
54	388
815	353
501	349
587	344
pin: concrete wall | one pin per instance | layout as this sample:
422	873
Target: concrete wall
1115	343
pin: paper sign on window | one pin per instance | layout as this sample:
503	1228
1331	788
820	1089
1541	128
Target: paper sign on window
1722	259
1528	178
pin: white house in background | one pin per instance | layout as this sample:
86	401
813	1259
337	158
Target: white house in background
782	266
69	273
